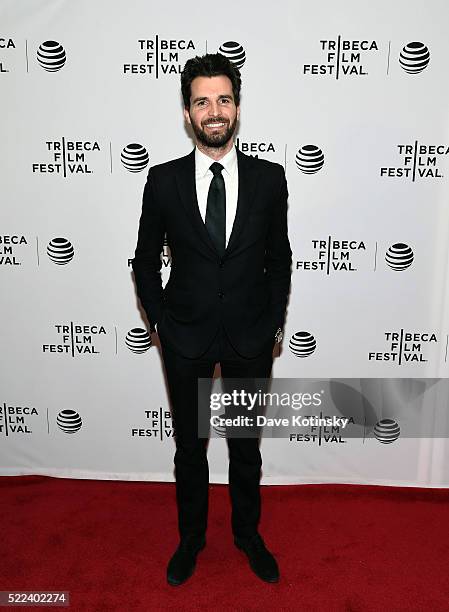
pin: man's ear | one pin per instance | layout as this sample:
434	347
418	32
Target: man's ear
187	116
238	112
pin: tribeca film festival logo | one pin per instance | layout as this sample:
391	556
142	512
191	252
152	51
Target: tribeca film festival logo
417	161
59	250
9	244
16	419
333	255
257	147
340	58
6	44
165	255
159	57
76	339
321	429
404	347
68	157
386	431
158	425
50	55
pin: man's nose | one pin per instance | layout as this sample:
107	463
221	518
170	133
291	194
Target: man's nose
213	109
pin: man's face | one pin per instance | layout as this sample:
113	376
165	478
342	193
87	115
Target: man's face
213	114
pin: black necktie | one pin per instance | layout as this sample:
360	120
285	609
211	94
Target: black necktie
216	209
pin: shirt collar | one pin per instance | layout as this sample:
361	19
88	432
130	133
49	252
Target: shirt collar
203	162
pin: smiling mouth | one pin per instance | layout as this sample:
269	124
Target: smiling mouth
215	125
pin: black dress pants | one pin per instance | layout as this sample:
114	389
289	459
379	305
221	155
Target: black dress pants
191	465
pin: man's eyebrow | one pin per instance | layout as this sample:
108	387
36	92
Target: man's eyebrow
199	99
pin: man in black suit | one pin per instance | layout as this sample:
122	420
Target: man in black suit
225	217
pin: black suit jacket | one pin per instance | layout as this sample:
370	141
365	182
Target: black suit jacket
246	290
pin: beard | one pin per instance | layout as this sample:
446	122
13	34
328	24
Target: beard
216	139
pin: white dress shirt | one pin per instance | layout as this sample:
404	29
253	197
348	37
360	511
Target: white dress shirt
203	178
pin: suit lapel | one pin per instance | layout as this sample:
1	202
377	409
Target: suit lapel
185	179
247	186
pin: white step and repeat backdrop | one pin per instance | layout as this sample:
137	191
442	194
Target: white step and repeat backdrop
352	98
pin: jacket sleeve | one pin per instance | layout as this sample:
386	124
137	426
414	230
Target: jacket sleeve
278	254
147	261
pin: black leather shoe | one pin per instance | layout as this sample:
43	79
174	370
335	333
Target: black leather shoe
182	565
262	562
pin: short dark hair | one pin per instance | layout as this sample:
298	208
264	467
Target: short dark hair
209	65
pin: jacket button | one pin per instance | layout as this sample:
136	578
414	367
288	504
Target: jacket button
221	295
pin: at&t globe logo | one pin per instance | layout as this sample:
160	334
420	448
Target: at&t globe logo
414	57
69	421
138	340
399	256
302	344
309	159
135	157
234	52
60	251
387	431
51	56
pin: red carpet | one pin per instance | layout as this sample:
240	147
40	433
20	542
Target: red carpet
339	547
